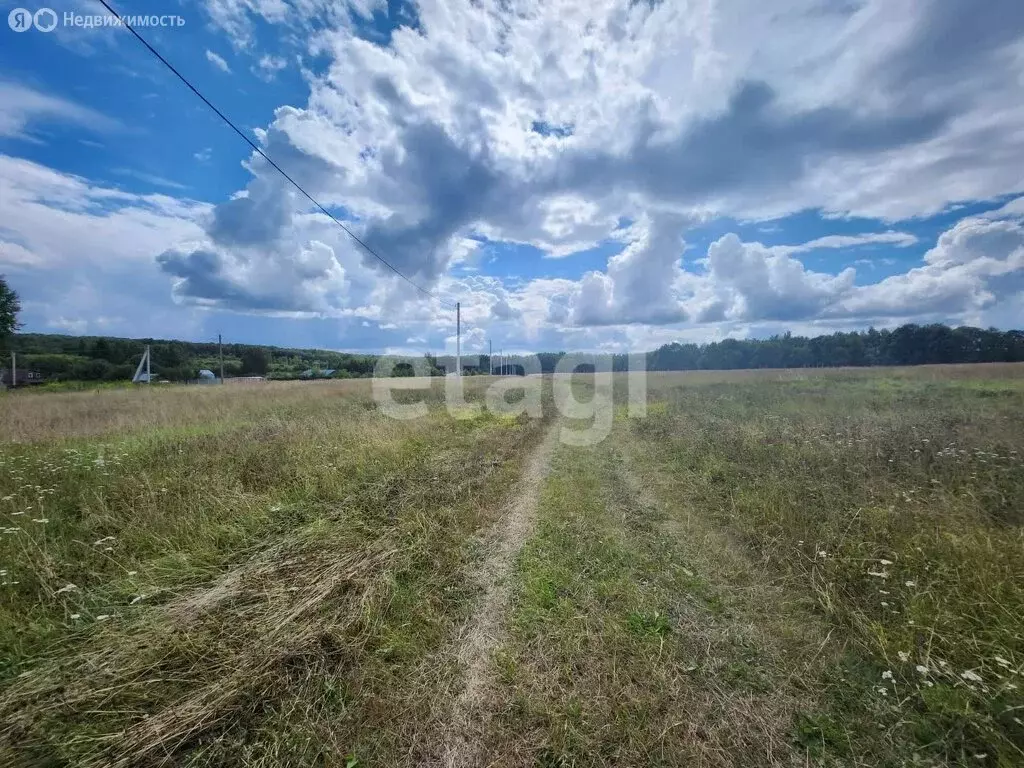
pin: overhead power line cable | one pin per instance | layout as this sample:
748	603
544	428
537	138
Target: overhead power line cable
264	155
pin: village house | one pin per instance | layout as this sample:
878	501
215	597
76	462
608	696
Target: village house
22	378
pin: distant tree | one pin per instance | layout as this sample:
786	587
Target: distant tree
255	361
178	373
10	306
173	354
100	349
119	372
89	370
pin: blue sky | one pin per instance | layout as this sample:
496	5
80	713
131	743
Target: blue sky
579	175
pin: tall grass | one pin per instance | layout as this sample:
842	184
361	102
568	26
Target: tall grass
899	504
28	416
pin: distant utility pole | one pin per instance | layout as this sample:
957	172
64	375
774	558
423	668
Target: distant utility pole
490	358
220	352
458	338
143	363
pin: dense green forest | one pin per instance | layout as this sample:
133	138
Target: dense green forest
906	345
99	358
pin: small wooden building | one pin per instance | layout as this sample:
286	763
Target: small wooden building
23	377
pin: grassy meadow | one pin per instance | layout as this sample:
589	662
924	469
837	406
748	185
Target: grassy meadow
222	576
780	568
808	567
894	503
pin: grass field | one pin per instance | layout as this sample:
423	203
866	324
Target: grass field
769	568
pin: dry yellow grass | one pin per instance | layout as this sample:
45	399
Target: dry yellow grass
38	417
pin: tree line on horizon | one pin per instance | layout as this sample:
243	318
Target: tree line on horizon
62	357
909	344
102	358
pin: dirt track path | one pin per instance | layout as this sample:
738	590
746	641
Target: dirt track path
484	630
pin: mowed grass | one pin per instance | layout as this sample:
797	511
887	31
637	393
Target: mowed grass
896	502
259	577
624	649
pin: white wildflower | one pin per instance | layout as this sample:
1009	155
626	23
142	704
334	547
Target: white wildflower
76	615
909	583
66	588
999	660
885	562
137	599
132	573
879	574
885	604
103	617
40	520
922	669
104	540
974	677
904	656
887	675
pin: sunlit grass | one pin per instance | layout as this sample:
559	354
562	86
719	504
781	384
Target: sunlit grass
248	577
897	503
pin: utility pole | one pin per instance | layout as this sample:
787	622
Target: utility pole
144	363
458	338
490	358
220	352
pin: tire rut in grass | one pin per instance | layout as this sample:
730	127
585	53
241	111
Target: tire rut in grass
627	647
483	631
